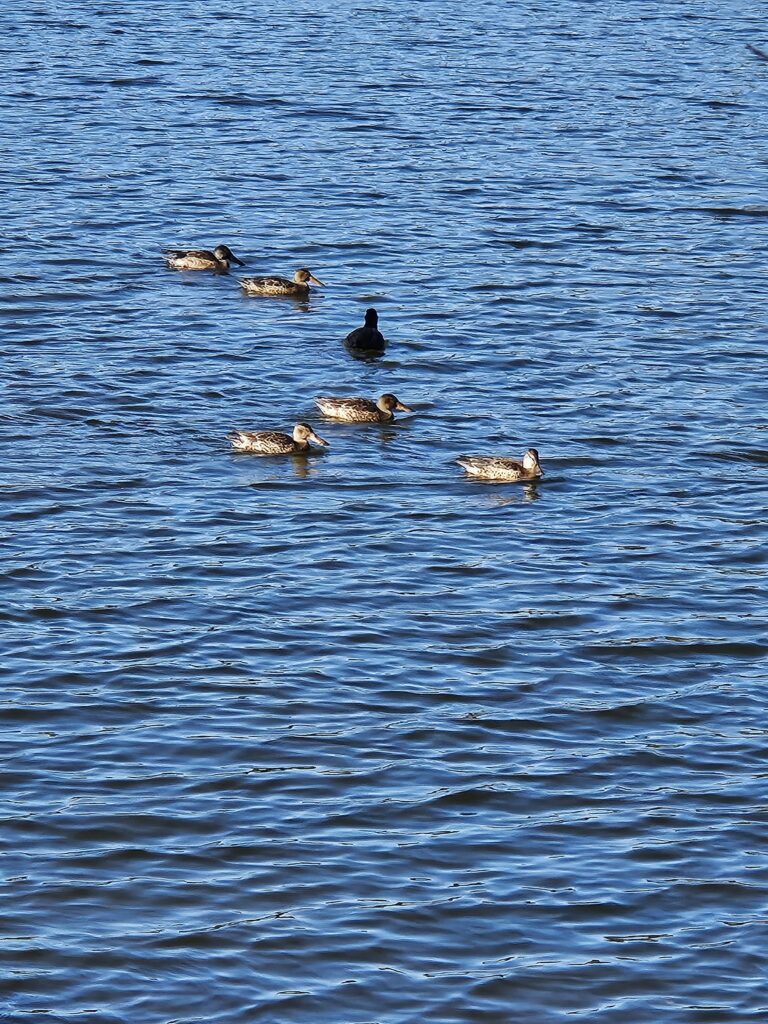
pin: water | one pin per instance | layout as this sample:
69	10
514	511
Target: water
353	739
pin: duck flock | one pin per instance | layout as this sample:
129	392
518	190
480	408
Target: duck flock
364	340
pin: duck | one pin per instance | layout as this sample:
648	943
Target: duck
368	336
298	288
495	467
202	259
361	410
273	442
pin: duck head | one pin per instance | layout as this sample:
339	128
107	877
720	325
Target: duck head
389	403
304	276
225	255
371	318
531	463
303	434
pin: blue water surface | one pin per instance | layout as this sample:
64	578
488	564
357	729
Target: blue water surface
353	739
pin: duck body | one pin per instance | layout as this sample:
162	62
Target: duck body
274	442
368	337
496	467
201	259
361	410
298	288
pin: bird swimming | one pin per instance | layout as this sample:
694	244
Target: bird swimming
368	336
298	288
273	442
361	410
202	259
495	467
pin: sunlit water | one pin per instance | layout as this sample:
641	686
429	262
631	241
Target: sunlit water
353	739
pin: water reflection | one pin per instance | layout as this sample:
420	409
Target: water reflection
528	492
366	433
387	434
302	466
366	354
310	305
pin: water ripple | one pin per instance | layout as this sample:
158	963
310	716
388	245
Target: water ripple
354	738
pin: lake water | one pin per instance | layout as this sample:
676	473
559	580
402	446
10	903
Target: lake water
353	739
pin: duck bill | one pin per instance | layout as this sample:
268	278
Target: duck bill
314	280
317	439
403	408
239	262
